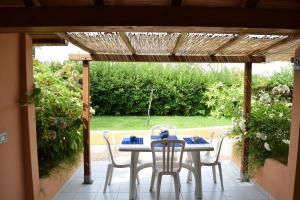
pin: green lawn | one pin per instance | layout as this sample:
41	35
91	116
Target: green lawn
140	122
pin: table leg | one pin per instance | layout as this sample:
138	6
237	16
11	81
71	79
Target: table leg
198	180
133	174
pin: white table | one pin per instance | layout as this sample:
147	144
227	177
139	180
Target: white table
135	149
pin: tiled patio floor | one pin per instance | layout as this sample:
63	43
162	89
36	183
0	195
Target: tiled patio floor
234	189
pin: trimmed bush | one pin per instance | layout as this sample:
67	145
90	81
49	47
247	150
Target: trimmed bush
124	89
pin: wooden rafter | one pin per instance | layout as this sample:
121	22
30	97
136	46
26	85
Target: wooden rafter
179	42
99	2
49	42
249	3
170	58
149	17
76	43
279	43
176	2
229	43
32	3
127	42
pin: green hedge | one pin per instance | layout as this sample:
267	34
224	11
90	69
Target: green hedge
124	89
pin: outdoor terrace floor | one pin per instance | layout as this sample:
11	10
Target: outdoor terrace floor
234	189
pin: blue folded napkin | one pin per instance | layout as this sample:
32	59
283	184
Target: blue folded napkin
157	137
137	140
191	141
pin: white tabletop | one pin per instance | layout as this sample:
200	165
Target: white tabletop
146	146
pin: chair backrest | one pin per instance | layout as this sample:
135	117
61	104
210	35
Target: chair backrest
106	137
155	130
219	145
165	150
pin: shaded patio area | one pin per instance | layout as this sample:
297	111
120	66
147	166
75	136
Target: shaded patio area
234	188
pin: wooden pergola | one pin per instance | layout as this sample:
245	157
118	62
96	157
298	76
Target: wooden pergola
225	31
178	47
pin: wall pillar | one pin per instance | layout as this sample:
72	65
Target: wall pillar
31	171
246	117
294	149
86	123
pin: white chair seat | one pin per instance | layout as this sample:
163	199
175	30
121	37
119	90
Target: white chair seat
207	160
123	161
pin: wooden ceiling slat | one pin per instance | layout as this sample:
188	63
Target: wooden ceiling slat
264	50
32	3
75	42
229	43
179	42
249	3
176	2
99	2
127	42
170	58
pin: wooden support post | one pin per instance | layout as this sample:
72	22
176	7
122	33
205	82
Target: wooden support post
293	172
31	170
86	123
246	117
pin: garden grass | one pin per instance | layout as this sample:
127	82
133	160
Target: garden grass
140	122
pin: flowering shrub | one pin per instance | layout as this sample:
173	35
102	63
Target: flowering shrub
58	115
224	100
269	125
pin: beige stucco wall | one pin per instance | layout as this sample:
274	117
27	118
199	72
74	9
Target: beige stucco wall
11	156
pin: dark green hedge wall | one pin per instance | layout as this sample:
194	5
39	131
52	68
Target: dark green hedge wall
124	89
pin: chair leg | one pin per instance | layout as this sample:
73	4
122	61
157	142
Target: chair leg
107	177
189	177
159	177
152	180
177	185
138	179
111	174
214	173
179	181
221	175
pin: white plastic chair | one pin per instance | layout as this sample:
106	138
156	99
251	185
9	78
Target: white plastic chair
189	158
112	162
155	130
168	165
213	161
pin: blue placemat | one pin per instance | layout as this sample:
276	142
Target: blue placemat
191	141
171	137
137	141
157	137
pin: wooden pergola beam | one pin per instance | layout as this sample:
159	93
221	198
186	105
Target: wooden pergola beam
249	3
32	3
229	43
179	42
98	2
49	42
75	42
176	2
127	42
168	58
277	44
62	19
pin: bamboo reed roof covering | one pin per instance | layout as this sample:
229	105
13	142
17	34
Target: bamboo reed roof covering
183	47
